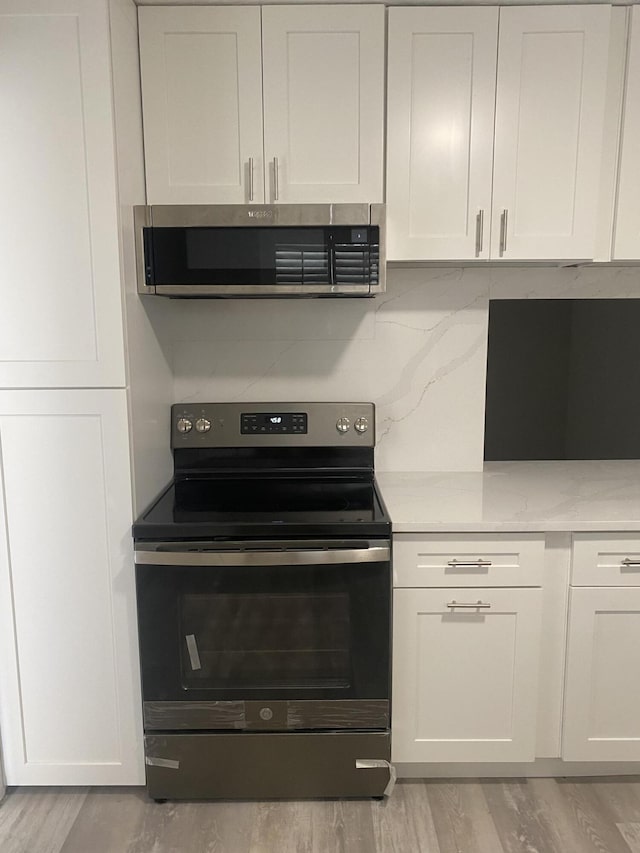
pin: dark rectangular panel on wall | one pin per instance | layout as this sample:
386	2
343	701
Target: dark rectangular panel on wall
563	379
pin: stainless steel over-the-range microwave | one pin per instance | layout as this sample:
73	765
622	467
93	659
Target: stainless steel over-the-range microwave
260	250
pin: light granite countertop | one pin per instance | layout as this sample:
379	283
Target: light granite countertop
517	496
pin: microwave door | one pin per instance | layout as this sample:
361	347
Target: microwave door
188	261
252	261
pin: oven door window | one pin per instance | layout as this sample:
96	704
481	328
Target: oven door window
282	632
284	640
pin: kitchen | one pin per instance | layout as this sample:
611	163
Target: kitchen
74	406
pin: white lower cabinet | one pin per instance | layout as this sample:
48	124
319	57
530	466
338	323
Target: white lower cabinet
602	695
465	675
69	681
602	688
480	672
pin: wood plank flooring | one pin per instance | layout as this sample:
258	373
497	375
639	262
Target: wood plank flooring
475	816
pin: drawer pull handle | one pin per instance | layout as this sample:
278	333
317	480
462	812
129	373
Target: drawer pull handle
471	564
627	562
477	606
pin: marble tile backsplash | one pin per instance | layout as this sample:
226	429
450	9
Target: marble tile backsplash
418	352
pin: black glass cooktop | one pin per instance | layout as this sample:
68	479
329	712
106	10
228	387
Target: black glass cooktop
230	506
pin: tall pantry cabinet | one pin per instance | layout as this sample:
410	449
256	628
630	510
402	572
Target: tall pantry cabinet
69	700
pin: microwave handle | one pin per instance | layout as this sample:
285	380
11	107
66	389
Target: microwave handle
374	554
276	192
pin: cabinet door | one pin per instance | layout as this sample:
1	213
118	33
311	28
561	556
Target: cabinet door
323	103
61	316
465	678
202	104
552	72
602	698
69	682
440	115
627	232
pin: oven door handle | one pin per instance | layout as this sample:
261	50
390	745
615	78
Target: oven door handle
374	554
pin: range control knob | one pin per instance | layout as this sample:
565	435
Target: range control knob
361	425
203	425
343	424
184	425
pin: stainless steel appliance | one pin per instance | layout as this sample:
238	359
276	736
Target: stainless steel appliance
254	250
263	577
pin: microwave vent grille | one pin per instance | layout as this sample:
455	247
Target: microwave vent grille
356	263
299	264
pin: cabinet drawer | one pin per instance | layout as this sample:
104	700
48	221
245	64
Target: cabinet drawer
612	560
477	560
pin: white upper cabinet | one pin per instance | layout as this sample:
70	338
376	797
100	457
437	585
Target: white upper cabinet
202	91
487	162
627	231
441	94
61	317
552	73
323	72
202	99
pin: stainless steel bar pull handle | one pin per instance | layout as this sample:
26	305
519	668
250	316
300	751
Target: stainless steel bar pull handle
470	564
627	562
479	232
276	192
503	231
250	178
479	605
375	554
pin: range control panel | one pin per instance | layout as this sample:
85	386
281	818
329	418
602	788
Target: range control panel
272	425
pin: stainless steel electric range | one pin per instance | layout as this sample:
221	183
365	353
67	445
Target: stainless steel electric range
263	576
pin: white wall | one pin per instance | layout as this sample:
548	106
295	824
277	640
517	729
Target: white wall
418	351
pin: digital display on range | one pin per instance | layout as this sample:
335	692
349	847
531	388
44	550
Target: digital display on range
273	423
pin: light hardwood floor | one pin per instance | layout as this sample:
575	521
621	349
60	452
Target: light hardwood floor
478	816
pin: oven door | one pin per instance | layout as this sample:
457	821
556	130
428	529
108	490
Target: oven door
278	635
